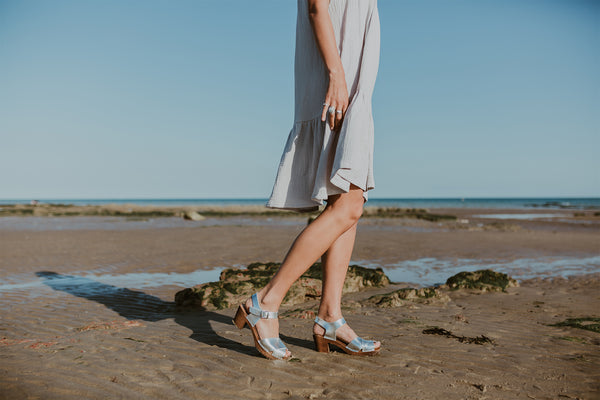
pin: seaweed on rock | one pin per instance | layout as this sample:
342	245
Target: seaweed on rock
418	213
587	323
484	279
400	297
236	285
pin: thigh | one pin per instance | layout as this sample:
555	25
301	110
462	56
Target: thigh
354	195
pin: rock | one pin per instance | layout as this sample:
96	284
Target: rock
401	297
193	216
396	212
236	285
40	211
484	280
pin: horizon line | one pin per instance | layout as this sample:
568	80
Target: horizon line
266	198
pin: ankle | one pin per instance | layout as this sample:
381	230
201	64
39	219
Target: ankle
330	315
267	301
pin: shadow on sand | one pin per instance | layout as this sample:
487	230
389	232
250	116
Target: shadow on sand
135	305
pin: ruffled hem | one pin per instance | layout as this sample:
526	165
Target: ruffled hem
317	163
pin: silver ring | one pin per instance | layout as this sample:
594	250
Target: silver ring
326	104
331	109
338	111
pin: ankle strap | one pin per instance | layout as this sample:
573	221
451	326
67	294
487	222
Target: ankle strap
256	313
330	327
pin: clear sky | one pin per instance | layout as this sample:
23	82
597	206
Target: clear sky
175	99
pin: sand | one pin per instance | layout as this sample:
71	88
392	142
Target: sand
88	339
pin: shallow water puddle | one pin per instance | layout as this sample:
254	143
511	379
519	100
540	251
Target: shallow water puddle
431	271
423	271
136	280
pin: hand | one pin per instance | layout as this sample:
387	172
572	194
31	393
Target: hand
337	97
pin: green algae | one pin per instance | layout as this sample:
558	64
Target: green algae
371	276
117	213
418	213
399	297
435	330
11	210
236	285
71	210
484	279
587	323
212	294
65	210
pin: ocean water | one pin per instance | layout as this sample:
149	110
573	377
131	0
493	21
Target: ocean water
419	272
431	271
480	202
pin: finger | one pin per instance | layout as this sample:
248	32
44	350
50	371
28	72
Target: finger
324	112
332	119
338	117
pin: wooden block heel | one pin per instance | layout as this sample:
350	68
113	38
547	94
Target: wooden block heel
321	344
357	347
240	318
272	348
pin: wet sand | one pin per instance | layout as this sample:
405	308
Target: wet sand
91	339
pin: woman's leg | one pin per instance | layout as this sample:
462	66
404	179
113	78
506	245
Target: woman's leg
335	265
342	213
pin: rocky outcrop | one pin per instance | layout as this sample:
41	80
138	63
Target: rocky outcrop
236	285
402	297
484	280
396	212
193	216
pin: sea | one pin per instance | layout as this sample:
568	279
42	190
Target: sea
423	271
473	202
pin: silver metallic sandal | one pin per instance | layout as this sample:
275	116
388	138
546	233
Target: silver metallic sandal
357	347
272	348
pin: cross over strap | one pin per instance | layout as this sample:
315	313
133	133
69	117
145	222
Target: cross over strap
330	327
256	313
356	345
274	346
360	344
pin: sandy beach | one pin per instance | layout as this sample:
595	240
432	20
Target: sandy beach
86	312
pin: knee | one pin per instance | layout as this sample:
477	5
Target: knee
349	213
355	211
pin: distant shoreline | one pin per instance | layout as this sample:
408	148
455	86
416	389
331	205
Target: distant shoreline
200	212
474	202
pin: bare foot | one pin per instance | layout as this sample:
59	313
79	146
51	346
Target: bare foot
344	333
267	328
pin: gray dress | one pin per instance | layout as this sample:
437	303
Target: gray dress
317	162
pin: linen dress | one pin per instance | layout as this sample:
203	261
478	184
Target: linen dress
317	162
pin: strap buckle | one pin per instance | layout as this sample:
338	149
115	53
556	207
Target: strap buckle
268	314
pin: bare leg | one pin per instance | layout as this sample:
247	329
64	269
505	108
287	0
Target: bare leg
335	265
342	212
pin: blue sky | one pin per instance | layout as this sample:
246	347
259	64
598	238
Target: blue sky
121	99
